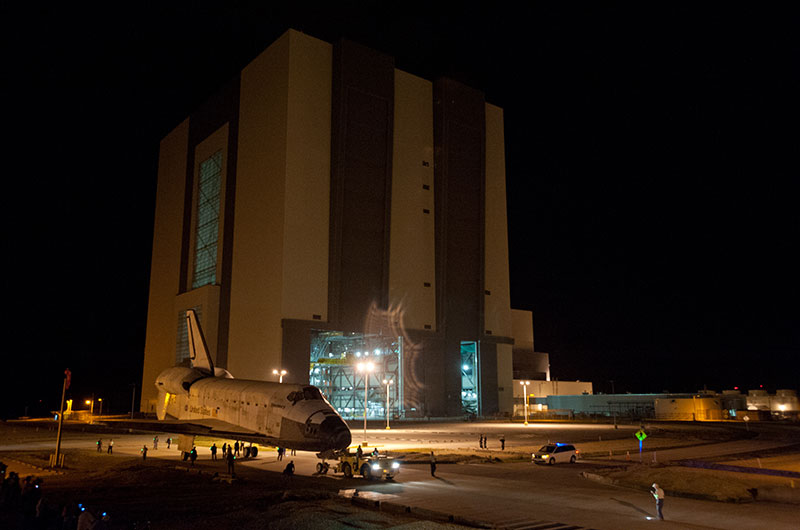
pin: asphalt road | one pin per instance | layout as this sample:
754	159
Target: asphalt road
514	495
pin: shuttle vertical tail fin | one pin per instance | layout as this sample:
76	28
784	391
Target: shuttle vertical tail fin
198	350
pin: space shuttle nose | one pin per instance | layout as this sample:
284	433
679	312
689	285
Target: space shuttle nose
335	433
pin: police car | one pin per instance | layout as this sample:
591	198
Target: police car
555	453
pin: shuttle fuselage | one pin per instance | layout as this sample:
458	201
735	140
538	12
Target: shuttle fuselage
281	414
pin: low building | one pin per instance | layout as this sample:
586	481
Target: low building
542	389
783	402
695	408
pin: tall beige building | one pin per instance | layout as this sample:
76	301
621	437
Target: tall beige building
326	209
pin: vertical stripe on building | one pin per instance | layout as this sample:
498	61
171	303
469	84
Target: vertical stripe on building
207	229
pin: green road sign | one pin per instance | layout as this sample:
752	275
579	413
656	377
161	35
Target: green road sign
641	435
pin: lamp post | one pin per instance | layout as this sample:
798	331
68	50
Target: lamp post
90	402
280	374
388	383
366	368
525	389
100	400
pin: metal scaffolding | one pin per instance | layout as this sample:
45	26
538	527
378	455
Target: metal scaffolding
334	358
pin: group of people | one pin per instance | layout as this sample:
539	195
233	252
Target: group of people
234	449
22	495
26	498
483	442
109	446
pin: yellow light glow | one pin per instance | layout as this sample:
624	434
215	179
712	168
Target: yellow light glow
88	401
365	367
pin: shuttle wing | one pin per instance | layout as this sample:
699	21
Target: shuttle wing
209	427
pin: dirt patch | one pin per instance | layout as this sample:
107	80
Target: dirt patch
680	481
165	494
786	462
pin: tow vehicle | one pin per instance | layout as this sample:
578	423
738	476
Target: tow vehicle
368	465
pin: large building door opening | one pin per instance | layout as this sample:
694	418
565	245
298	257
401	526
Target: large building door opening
470	378
335	356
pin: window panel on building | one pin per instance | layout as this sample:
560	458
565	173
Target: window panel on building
207	226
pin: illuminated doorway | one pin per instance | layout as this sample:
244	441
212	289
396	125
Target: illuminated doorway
334	357
470	378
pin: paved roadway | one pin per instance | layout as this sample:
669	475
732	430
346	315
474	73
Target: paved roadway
511	495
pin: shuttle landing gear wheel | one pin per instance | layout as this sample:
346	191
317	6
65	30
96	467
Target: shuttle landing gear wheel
347	470
253	451
366	472
320	468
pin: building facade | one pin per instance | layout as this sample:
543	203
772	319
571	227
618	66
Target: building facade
326	210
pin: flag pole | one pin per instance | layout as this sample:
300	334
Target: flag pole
55	462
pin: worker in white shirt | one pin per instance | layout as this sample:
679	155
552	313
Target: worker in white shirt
658	494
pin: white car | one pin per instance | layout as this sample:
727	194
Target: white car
556	453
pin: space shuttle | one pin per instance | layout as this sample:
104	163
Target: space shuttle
208	400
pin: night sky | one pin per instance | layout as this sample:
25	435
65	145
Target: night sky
652	170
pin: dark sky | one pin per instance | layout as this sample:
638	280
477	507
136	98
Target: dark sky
652	169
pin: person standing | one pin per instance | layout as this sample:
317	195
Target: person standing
502	442
229	459
144	452
169	442
99	445
213	451
193	455
480	441
155	442
359	452
236	448
111	446
658	495
433	464
225	450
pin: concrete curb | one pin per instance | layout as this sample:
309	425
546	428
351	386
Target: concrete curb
414	511
466	521
367	503
392	507
49	470
783	494
431	515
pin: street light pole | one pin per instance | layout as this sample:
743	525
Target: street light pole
525	389
280	374
388	383
90	402
366	368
